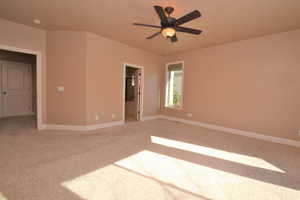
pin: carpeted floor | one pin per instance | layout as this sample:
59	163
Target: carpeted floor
155	160
27	123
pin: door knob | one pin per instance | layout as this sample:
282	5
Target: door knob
4	93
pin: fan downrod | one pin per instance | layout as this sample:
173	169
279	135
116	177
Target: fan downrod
169	10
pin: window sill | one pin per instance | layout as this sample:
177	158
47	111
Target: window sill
174	107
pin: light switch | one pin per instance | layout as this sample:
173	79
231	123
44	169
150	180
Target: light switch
60	89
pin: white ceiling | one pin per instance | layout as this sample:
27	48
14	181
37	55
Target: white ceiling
223	20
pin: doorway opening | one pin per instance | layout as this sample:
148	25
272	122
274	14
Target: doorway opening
133	76
18	91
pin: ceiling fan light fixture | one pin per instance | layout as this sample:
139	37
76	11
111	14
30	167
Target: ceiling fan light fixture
169	25
168	32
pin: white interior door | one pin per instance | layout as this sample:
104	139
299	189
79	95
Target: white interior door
16	89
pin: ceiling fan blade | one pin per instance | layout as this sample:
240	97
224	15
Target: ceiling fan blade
154	35
174	39
147	25
161	13
188	17
188	30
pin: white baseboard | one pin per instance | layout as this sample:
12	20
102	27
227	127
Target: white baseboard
65	127
42	127
235	131
81	128
200	124
104	125
150	117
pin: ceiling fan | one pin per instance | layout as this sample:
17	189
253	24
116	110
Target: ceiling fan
169	25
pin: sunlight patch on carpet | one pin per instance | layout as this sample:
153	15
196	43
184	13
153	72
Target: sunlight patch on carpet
149	175
216	153
113	182
205	181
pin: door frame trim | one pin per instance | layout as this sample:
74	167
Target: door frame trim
39	73
142	88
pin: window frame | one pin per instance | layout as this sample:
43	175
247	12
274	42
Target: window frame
167	78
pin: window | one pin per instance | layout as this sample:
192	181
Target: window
174	85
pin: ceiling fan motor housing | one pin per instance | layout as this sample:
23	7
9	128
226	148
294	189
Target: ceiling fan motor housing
169	22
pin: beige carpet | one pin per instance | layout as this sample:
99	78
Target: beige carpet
27	123
155	160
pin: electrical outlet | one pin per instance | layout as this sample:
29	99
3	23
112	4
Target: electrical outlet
60	89
113	116
97	117
189	114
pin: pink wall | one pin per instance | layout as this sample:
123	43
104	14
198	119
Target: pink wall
90	68
66	53
251	85
105	60
24	37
